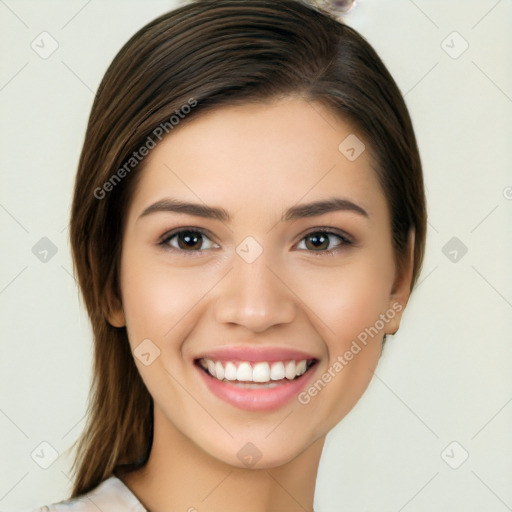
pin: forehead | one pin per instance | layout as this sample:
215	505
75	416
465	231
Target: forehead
272	155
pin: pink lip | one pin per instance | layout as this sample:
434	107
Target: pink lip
261	400
254	354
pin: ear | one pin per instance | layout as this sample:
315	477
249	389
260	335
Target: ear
401	288
114	310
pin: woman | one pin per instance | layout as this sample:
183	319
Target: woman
247	226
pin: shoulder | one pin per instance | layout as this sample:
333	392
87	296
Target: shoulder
111	495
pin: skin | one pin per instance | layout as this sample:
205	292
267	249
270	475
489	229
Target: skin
255	161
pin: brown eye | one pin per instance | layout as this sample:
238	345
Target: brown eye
320	241
317	241
187	240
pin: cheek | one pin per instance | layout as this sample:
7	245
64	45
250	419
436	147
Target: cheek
347	299
154	298
348	319
349	303
361	298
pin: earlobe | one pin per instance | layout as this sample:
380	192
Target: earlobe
116	319
401	288
114	312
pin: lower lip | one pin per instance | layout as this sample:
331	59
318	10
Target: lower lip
264	399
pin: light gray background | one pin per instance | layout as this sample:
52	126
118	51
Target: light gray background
446	376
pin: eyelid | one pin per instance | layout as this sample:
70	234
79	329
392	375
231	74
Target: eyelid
328	230
346	239
175	231
164	239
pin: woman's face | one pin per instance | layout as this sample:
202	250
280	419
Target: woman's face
285	255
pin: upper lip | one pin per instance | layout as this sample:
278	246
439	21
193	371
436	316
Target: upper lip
255	354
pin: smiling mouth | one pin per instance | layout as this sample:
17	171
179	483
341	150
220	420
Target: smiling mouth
255	375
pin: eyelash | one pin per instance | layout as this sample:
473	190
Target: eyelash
345	241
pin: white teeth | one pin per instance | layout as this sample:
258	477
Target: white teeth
262	372
211	367
230	371
289	370
277	371
244	372
301	367
219	371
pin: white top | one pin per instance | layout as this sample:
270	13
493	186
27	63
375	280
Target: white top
111	495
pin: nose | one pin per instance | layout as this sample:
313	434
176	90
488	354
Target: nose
255	296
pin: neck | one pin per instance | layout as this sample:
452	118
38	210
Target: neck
179	475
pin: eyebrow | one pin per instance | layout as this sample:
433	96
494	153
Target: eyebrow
295	212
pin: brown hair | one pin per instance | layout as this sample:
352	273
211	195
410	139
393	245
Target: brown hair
211	53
